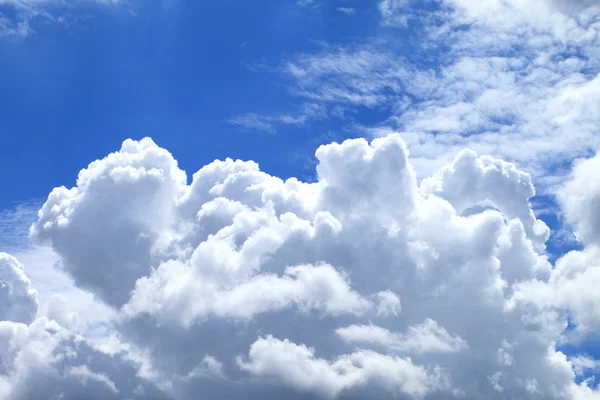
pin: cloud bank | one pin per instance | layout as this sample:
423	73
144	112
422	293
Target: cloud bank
361	284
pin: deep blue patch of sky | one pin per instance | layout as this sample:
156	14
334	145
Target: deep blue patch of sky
175	71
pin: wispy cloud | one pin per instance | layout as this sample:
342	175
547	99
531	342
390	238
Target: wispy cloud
269	123
347	10
394	12
511	72
19	17
364	76
312	4
16	16
252	121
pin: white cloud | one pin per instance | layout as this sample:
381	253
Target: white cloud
141	177
580	198
513	72
573	280
296	365
394	12
58	310
43	360
209	367
58	297
388	304
85	374
427	337
484	181
18	302
269	123
451	272
307	287
25	14
347	10
584	364
554	15
253	121
363	76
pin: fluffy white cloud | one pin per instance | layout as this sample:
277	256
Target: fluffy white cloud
169	294
18	302
296	365
362	283
471	181
45	360
580	198
108	254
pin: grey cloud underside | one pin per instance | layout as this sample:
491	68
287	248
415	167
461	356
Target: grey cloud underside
363	284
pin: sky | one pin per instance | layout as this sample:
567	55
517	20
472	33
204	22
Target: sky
310	199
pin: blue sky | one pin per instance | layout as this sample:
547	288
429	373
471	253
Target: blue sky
138	260
179	71
175	71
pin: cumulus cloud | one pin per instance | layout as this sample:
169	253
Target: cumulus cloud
367	282
297	366
18	302
139	178
44	360
362	283
307	287
580	198
471	181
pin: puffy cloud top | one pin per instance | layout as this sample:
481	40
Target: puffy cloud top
102	227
